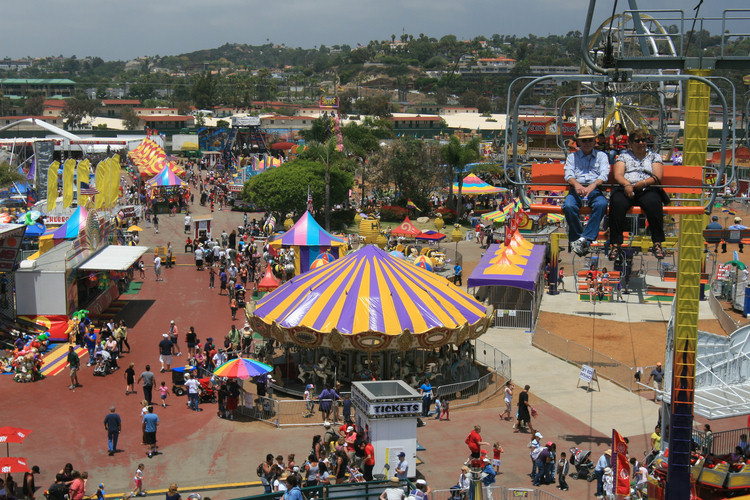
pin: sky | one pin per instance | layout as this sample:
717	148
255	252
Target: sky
123	30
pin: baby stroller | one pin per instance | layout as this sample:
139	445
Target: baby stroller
583	465
207	392
103	364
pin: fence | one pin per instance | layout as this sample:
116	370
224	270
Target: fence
498	493
295	412
361	491
577	354
719	443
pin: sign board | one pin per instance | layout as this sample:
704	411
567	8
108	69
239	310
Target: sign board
328	102
246	121
10	244
588	375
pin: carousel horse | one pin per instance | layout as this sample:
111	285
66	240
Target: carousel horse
309	371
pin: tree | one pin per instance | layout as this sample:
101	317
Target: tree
10	174
78	108
129	119
456	156
34	106
284	189
409	165
204	91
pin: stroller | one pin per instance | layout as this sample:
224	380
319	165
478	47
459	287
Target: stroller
103	364
583	465
207	392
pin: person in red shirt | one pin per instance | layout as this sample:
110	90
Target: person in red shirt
474	440
369	461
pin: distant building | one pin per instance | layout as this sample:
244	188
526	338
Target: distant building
417	125
163	122
454	110
489	66
113	108
30	127
48	87
285	124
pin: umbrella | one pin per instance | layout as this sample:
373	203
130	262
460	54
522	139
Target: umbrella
134	228
242	368
10	465
12	435
282	145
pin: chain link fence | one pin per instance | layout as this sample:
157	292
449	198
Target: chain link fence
605	366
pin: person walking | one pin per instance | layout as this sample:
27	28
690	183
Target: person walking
155	220
138	479
150	423
75	363
457	275
188	221
193	388
508	400
29	488
157	266
165	353
113	425
148	383
657	376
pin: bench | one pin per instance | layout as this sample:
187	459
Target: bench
678	179
672	276
162	252
583	286
660	291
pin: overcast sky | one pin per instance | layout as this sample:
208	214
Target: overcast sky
125	29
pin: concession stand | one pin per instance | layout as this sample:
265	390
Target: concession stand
79	272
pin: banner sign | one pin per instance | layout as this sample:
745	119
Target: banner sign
329	102
620	465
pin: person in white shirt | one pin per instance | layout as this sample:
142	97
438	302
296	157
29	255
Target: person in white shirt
157	267
219	358
193	388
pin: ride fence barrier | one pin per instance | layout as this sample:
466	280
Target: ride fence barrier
361	491
577	354
719	443
498	493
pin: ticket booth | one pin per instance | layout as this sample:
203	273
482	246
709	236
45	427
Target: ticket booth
387	412
202	228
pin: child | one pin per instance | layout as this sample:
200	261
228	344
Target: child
560	279
446	410
130	379
608	484
141	270
100	493
562	470
233	307
438	408
138	478
496	451
164	390
308	400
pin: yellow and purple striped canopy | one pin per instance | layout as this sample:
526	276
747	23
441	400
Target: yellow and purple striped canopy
370	300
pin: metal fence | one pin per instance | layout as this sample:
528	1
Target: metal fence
719	443
361	491
295	412
577	354
498	493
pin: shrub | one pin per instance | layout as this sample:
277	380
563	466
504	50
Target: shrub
341	219
390	213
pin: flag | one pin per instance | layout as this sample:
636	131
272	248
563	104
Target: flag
67	184
411	204
729	211
86	189
309	200
620	465
52	185
340	88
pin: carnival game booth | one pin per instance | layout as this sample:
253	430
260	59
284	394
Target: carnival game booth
79	272
387	412
511	279
166	190
370	315
309	240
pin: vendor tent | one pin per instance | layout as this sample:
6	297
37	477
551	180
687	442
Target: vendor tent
166	177
309	240
430	236
269	281
511	278
150	158
473	185
73	226
406	229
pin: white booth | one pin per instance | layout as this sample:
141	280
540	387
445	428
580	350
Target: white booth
387	412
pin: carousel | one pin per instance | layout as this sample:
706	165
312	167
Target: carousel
370	316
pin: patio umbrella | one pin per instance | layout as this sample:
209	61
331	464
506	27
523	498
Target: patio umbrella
242	368
11	465
134	228
12	435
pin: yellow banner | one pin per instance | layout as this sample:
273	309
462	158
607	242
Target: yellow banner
114	180
83	176
68	173
101	183
52	185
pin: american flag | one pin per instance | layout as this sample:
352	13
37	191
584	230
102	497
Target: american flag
309	200
86	190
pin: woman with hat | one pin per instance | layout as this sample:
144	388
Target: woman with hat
638	172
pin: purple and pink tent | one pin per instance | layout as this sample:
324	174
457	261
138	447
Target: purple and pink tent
309	240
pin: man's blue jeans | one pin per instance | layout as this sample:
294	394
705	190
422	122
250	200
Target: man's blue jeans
571	207
599	473
112	439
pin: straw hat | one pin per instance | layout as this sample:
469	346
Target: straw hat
586	133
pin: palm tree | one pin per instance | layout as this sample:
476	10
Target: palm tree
457	156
